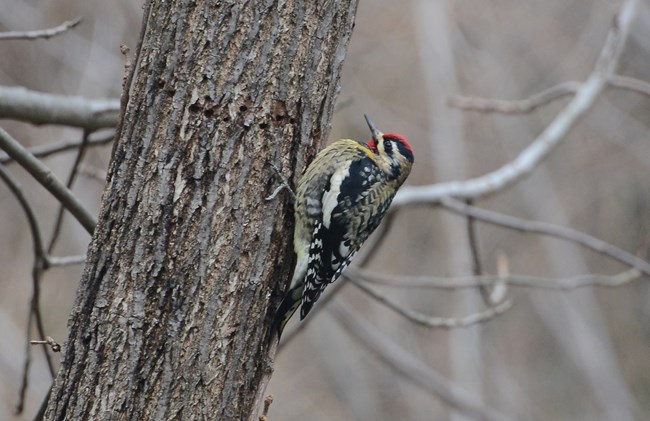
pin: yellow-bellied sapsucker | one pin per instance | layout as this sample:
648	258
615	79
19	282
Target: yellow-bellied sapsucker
340	200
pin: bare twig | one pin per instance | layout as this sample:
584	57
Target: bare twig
24	382
486	290
95	139
630	83
17	103
45	176
37	272
548	229
528	281
433	322
522	106
17	191
514	106
37	240
554	133
40	33
65	260
71	178
54	346
472	238
267	404
40	263
411	368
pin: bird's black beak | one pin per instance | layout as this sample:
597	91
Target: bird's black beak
376	133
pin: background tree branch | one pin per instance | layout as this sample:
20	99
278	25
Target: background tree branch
552	135
48	180
33	107
41	33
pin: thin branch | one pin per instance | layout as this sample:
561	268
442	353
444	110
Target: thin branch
554	133
54	346
521	106
17	103
40	33
472	239
17	191
630	83
40	263
486	291
44	175
66	260
548	229
24	382
96	139
37	272
71	179
527	281
433	322
527	105
39	252
412	369
267	404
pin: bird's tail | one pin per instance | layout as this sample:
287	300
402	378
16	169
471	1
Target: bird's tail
289	306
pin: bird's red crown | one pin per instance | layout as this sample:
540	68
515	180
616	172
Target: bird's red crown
372	144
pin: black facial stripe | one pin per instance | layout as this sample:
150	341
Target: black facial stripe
404	151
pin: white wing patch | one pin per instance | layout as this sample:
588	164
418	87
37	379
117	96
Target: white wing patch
330	197
344	252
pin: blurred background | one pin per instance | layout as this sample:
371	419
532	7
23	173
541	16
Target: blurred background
579	355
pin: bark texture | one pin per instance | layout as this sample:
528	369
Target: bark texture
188	260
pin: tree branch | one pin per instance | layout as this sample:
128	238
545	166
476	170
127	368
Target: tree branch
554	133
411	368
66	260
17	103
630	83
433	322
40	33
81	152
523	106
45	176
548	229
514	106
39	265
528	281
95	139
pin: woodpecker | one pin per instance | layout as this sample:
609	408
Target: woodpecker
340	200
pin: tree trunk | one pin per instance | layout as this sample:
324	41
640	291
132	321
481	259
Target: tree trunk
188	262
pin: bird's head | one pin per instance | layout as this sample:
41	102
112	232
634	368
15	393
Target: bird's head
393	151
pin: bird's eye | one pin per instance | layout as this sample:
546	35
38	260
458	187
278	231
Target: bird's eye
388	146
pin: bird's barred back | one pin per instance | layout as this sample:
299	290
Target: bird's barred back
352	209
340	201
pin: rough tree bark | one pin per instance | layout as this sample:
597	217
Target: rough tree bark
188	260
